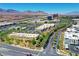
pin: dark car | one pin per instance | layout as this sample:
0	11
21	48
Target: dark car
29	54
54	47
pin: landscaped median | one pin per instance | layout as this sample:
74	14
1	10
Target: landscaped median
60	47
63	24
44	39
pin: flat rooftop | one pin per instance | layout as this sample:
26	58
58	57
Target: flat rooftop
23	35
75	19
72	36
44	26
5	23
72	33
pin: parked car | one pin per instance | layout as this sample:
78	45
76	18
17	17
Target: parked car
29	54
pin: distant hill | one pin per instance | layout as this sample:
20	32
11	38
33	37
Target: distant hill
11	14
2	10
12	11
73	13
8	10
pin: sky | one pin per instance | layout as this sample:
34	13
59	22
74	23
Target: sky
47	7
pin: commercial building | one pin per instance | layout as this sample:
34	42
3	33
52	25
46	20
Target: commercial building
76	21
71	36
24	35
6	23
45	26
22	39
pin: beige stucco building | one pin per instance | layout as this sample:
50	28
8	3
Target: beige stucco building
45	26
22	39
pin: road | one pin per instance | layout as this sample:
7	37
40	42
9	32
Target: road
8	50
73	49
57	38
49	51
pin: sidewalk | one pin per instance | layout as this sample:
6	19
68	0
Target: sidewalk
58	51
29	48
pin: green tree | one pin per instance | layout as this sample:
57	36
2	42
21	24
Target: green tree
41	39
33	42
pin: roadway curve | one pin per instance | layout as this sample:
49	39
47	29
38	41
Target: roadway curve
49	51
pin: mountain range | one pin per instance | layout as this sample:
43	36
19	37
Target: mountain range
73	13
12	11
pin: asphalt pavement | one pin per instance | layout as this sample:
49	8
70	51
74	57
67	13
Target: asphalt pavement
73	49
8	50
49	50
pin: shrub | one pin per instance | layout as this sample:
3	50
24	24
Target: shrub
33	42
